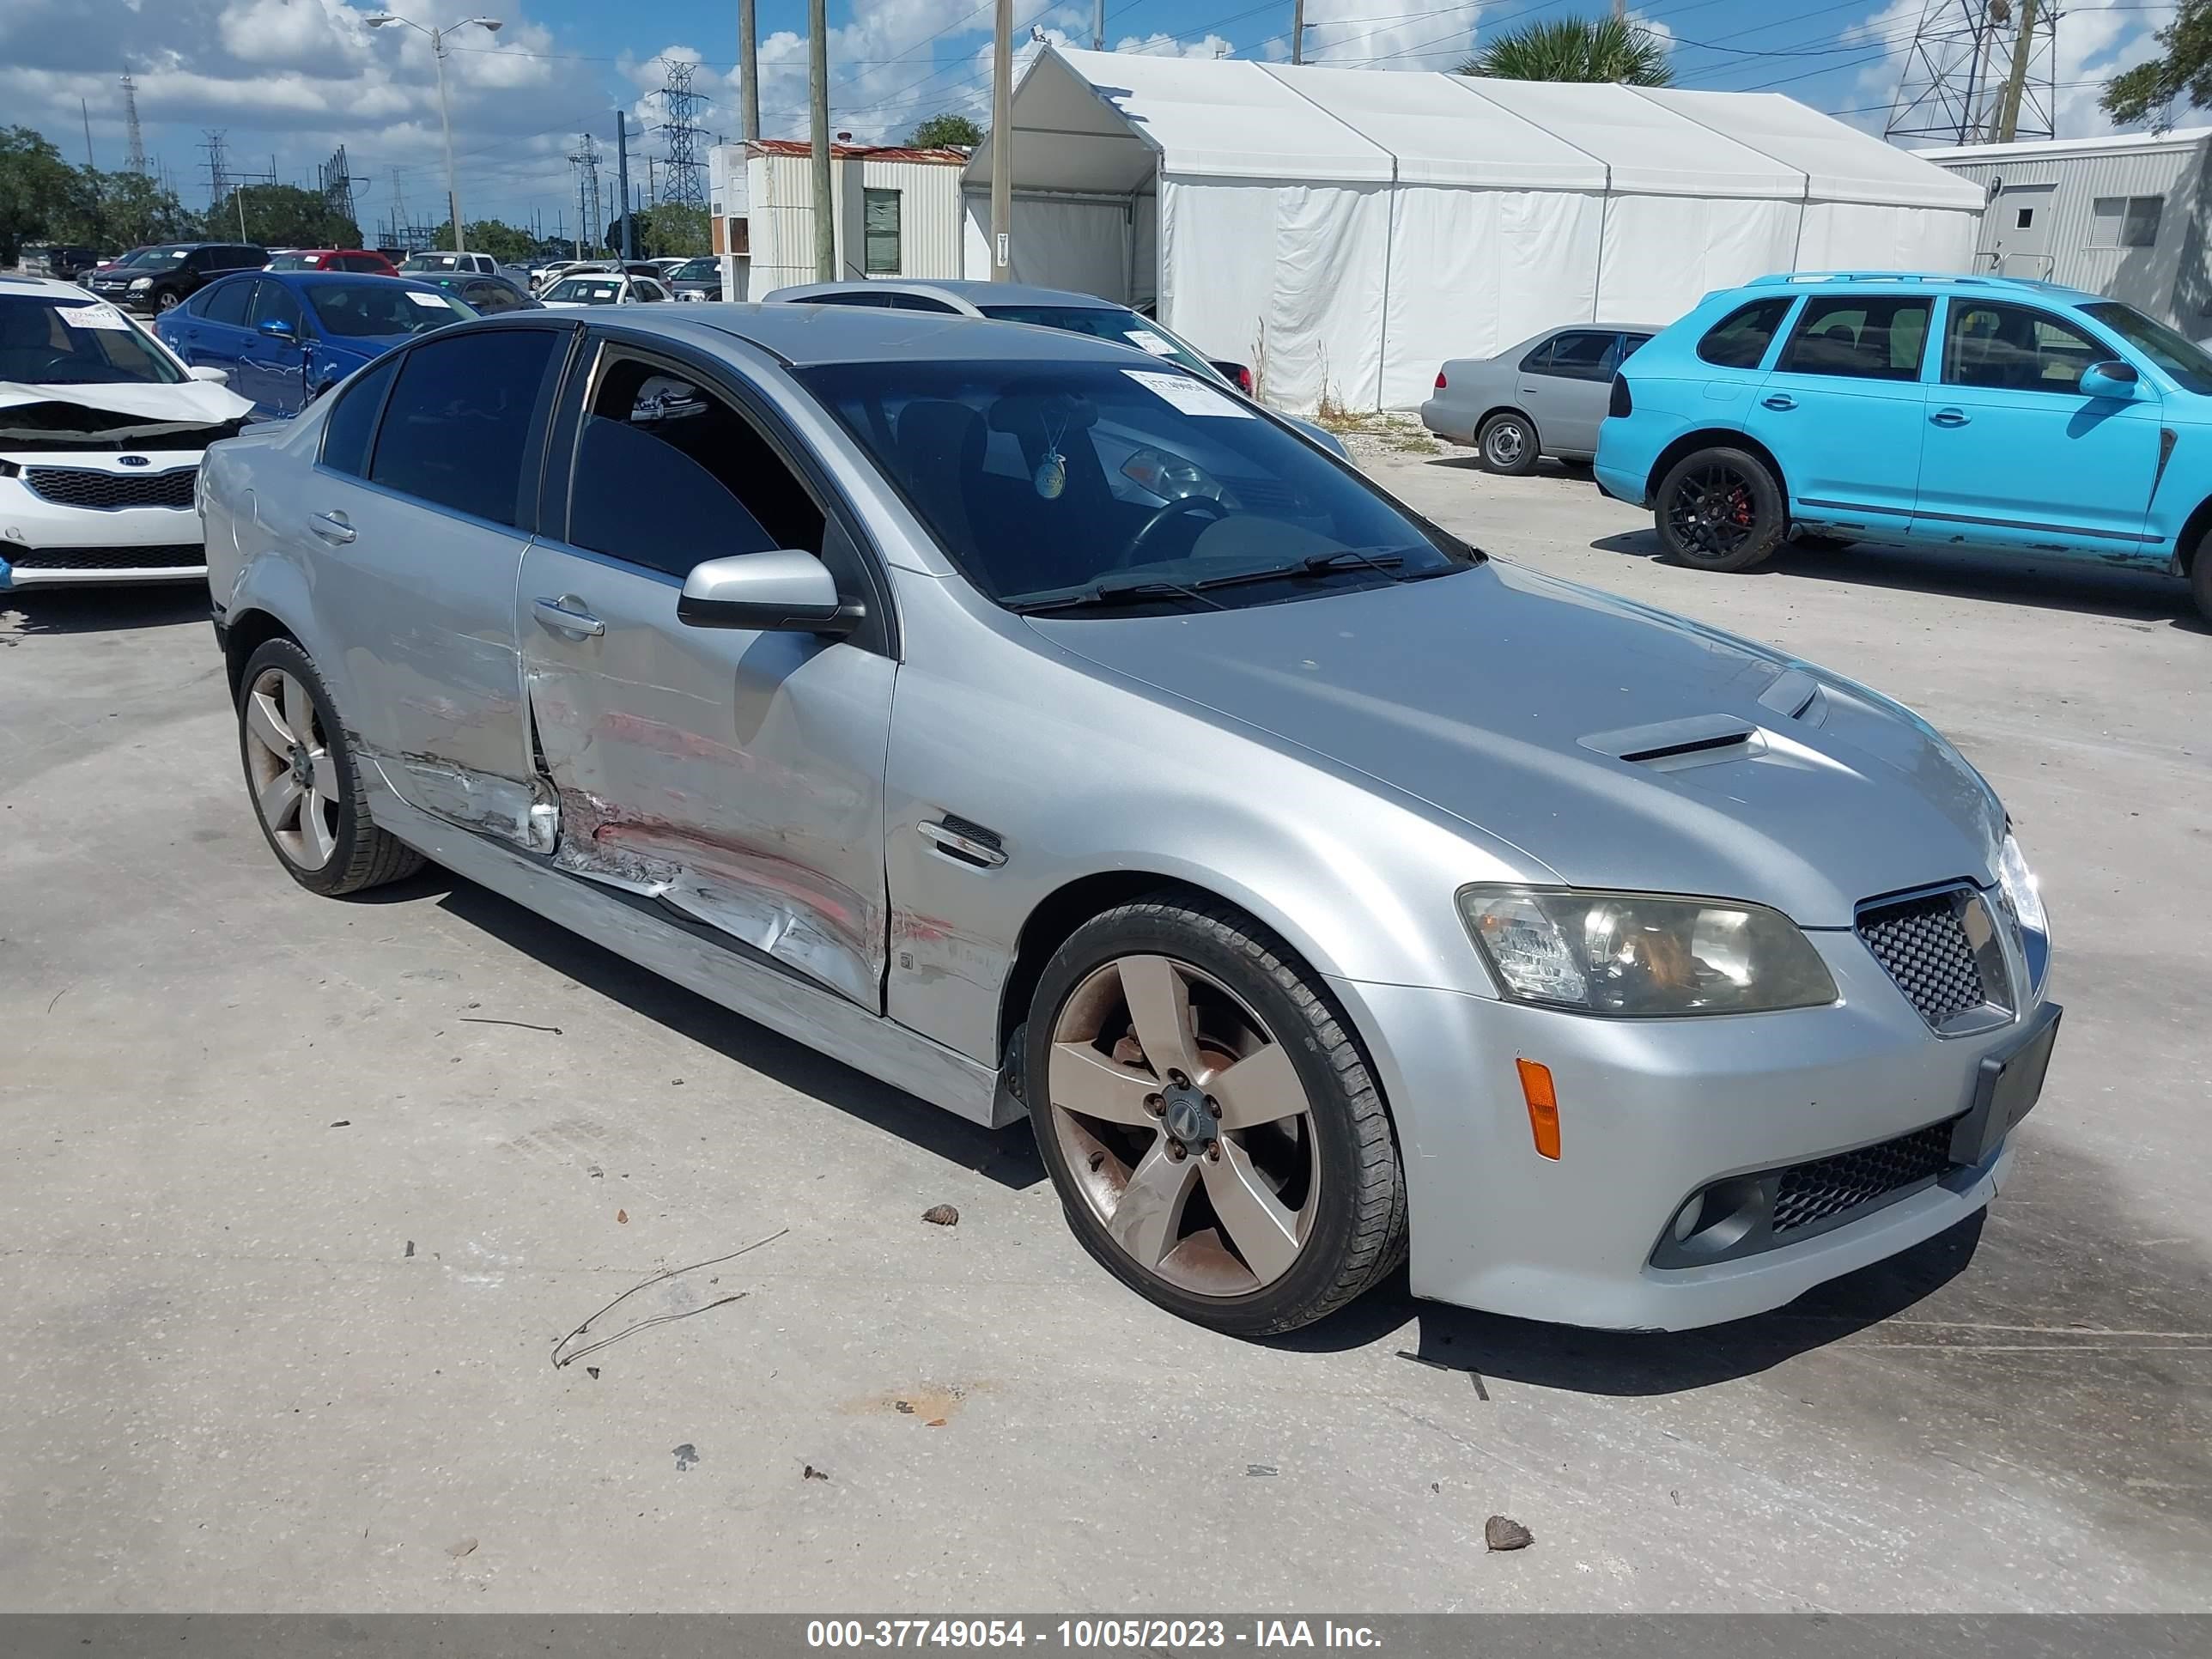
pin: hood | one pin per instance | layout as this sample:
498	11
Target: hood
1611	744
198	403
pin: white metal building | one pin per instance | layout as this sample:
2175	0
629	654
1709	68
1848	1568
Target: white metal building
1349	229
2122	216
898	212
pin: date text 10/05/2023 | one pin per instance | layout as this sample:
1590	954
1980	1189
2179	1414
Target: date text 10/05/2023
1087	1634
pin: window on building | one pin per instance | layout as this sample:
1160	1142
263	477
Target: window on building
881	211
2022	218
2125	220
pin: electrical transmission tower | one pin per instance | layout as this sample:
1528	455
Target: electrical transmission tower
1979	72
136	161
336	181
591	226
218	166
687	186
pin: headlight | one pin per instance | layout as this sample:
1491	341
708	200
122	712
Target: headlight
1636	956
1171	478
2021	891
137	283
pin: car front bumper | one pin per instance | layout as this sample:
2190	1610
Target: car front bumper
1650	1113
45	544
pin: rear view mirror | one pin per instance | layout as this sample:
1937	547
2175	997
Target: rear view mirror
2110	380
277	329
206	372
783	591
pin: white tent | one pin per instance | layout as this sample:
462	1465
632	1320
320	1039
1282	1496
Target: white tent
1346	230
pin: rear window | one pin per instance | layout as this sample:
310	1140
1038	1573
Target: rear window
1740	339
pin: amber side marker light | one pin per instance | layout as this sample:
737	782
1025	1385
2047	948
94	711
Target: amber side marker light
1543	1106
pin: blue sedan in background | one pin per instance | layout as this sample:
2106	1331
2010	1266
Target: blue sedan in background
287	337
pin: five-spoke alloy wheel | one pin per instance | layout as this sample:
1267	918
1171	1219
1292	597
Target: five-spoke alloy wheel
1214	1135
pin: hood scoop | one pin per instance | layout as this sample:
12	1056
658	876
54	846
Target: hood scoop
1796	694
1672	745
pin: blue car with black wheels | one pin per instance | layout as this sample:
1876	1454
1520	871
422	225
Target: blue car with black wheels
1937	410
287	337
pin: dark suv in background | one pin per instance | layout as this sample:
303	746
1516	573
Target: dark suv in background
167	276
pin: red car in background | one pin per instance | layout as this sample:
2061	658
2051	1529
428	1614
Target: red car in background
362	261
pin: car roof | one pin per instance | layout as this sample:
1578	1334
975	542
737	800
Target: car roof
804	335
314	279
2023	286
976	293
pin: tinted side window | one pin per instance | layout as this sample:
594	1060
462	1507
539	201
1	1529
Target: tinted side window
1860	338
352	423
667	474
1582	355
2015	349
460	420
1538	360
274	303
918	302
1740	339
226	302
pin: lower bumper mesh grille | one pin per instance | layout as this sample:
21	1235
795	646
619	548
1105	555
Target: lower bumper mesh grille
175	556
1830	1187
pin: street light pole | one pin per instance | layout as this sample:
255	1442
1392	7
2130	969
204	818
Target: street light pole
437	38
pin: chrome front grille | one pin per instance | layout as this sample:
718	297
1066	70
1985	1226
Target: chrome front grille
1943	950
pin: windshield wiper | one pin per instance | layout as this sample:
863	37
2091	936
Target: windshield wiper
1314	564
1119	593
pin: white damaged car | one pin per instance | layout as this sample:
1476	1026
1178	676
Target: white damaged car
102	431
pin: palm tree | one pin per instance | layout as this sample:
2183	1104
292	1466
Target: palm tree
1575	49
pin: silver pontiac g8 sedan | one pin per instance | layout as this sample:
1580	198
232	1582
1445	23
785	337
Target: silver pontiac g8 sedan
1035	726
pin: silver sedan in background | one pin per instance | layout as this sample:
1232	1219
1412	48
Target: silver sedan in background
1543	396
1046	731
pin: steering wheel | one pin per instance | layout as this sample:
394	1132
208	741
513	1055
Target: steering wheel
1139	547
58	360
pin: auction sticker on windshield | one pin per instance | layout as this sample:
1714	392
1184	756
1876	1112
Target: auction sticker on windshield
1144	341
428	302
1191	397
95	316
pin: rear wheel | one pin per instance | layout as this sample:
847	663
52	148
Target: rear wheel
167	300
308	792
1720	509
1508	444
1218	1142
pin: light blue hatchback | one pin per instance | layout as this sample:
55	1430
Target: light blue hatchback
1976	411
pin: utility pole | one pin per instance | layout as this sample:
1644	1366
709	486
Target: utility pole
1002	145
1298	31
818	86
2023	48
622	177
85	110
1098	26
749	70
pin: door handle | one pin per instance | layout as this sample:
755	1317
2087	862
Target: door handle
966	849
332	527
1780	400
557	616
1949	417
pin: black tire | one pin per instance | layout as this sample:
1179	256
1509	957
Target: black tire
362	855
1720	509
1358	1231
2200	578
166	300
1507	445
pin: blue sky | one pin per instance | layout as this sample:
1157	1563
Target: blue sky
287	80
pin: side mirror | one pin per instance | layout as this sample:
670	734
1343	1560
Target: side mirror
784	592
213	376
2110	380
277	329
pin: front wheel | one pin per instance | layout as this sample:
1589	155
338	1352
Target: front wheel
1720	509
167	302
1508	444
1218	1142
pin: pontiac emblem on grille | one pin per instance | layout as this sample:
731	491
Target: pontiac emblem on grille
134	460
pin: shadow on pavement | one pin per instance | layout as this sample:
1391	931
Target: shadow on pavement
1007	1156
2138	596
101	609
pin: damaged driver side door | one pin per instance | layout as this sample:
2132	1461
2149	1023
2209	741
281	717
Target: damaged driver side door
729	777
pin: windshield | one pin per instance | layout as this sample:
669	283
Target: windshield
1049	483
1109	323
162	256
432	262
2178	356
585	290
84	343
379	307
295	262
138	256
697	270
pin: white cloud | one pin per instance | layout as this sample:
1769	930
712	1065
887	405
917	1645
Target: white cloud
1406	34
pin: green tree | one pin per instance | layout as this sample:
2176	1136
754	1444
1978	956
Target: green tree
281	215
949	129
2182	70
41	197
131	209
508	244
1577	49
